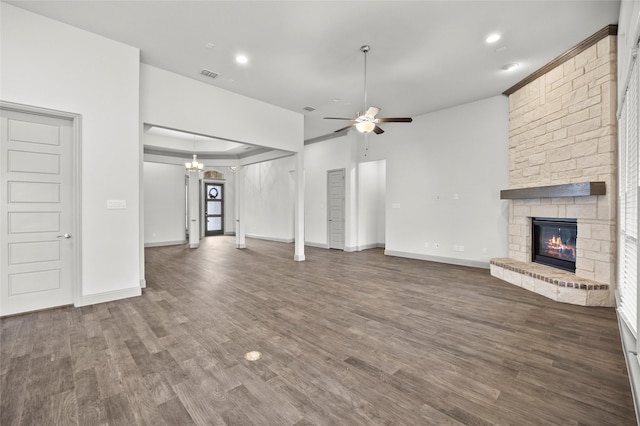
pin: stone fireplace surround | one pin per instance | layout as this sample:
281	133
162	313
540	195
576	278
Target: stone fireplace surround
562	132
589	285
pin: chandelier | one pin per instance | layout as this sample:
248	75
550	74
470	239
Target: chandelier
193	165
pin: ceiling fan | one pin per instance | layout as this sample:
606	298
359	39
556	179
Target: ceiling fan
367	122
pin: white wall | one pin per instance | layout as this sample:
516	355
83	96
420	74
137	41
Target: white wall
173	101
164	204
444	175
52	65
461	150
269	199
319	158
169	171
371	204
382	202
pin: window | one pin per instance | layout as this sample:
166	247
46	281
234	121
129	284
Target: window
628	203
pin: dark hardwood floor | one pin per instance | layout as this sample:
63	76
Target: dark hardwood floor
346	338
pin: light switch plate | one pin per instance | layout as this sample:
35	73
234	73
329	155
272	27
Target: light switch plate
116	204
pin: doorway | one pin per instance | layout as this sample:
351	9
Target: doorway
214	209
335	208
38	209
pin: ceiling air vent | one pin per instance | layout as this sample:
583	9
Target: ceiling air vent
209	73
309	108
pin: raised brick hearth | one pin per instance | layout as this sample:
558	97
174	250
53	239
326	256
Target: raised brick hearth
551	282
562	130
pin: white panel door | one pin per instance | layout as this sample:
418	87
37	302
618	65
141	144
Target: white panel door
335	206
36	202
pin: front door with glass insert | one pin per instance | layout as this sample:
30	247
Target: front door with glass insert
213	211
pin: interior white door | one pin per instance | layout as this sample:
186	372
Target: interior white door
36	203
335	206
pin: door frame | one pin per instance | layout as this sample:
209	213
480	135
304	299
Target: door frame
204	205
344	207
76	186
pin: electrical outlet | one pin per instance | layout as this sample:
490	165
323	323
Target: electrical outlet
426	245
436	245
484	250
460	248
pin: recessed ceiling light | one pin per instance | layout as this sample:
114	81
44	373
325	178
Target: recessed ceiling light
209	45
492	38
510	67
242	59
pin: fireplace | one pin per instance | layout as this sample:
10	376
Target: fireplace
554	242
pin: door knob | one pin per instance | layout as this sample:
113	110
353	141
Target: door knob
67	236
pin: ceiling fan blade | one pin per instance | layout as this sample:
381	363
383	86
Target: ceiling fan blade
338	118
371	112
344	128
395	120
377	130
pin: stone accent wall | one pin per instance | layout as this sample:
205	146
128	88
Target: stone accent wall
562	126
562	129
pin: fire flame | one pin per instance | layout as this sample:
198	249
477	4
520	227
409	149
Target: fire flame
555	247
556	242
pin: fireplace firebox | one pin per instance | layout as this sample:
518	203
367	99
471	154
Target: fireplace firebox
554	242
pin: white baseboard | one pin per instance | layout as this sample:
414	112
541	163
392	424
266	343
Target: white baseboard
449	260
319	245
370	246
263	237
143	283
165	243
108	296
349	249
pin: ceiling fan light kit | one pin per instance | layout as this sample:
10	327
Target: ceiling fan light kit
365	126
367	122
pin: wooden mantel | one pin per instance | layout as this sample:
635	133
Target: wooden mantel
582	189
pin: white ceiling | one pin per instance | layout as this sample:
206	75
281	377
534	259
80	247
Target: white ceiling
425	55
159	140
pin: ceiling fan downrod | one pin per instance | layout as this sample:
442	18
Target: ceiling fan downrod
364	49
366	121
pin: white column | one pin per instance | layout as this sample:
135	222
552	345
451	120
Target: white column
299	208
240	236
194	209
